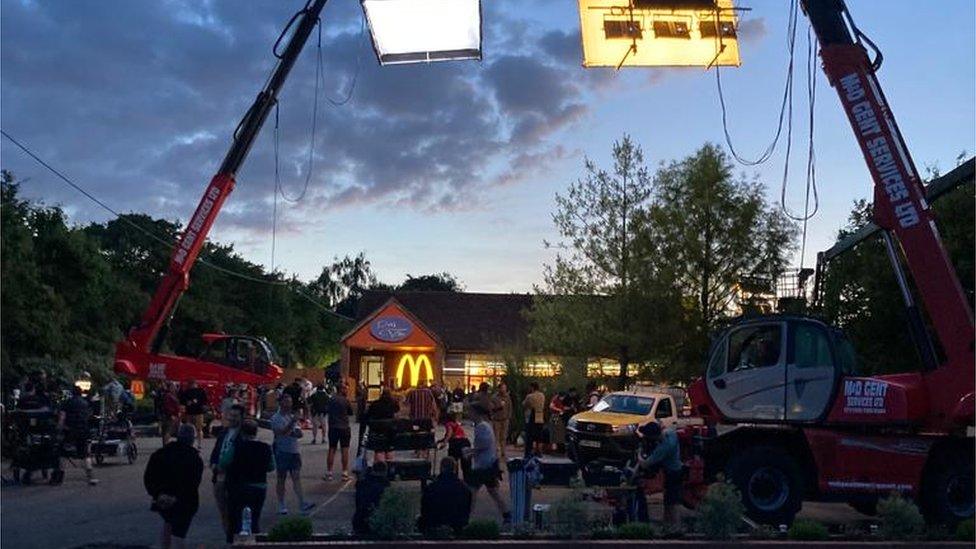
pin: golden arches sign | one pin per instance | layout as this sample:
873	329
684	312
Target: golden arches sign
414	363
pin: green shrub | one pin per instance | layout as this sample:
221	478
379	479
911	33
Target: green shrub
900	518
481	529
720	512
395	516
568	517
763	531
808	530
966	531
291	529
523	530
603	532
635	530
441	532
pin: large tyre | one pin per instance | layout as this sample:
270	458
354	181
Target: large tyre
947	490
770	481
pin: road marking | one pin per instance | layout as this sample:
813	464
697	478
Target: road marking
331	499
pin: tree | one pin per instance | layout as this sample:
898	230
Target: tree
589	303
437	282
342	283
861	295
708	231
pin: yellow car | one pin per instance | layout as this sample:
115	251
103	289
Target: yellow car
608	432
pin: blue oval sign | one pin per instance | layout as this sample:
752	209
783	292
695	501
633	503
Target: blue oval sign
391	328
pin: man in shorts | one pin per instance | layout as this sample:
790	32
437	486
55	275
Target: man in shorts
318	404
73	420
339	431
484	460
288	457
194	402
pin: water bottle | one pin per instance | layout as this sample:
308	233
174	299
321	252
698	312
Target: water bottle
245	522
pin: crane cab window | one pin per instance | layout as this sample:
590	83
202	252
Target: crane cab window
217	352
755	347
811	347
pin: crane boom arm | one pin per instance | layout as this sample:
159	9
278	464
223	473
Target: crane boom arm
900	206
147	336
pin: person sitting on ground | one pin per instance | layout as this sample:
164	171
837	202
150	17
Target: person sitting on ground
369	490
247	478
446	501
172	479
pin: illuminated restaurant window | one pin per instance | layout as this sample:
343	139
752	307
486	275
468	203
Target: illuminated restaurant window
541	368
602	367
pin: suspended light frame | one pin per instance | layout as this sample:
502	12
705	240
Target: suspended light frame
424	31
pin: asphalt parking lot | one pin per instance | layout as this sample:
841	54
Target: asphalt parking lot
116	511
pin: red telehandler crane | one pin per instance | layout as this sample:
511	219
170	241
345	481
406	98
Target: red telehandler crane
227	359
789	418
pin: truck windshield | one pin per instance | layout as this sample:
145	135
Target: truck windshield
625	404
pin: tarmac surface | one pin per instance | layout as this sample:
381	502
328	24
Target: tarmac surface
115	513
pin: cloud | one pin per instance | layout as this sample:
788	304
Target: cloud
138	100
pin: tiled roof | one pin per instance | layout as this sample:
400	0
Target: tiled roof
463	321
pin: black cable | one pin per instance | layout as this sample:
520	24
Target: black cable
153	235
359	66
311	144
787	98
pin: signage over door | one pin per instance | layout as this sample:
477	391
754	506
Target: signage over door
391	329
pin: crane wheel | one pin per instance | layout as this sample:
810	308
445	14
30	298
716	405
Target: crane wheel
947	490
770	481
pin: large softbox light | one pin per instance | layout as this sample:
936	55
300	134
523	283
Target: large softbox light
658	33
422	31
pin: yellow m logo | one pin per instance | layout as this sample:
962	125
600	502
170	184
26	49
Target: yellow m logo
414	364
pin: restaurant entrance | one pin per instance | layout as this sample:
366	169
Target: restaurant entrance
371	373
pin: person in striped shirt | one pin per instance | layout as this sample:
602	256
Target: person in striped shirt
422	406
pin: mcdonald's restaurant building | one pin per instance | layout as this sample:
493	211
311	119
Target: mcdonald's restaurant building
404	339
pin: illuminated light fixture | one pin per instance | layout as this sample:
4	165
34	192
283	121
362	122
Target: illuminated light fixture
659	33
423	31
408	361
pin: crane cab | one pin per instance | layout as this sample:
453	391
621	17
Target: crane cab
777	368
246	353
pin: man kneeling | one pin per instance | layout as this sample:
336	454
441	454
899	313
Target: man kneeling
446	501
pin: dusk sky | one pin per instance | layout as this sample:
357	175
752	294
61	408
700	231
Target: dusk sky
428	168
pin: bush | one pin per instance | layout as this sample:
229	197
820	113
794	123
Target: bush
481	529
523	530
966	531
569	517
808	530
900	518
720	511
763	531
635	530
441	532
291	529
603	532
394	517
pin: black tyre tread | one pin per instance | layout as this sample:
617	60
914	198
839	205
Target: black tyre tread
748	459
937	474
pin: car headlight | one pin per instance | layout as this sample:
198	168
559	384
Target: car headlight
571	424
625	429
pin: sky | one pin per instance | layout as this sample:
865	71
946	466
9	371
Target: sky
429	168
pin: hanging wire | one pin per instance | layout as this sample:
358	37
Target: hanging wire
355	75
787	98
158	238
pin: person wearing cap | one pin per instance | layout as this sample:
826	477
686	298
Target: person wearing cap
172	479
484	460
665	454
73	421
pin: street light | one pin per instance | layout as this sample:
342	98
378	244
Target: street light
658	33
418	31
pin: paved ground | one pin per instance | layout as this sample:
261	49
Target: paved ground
117	510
